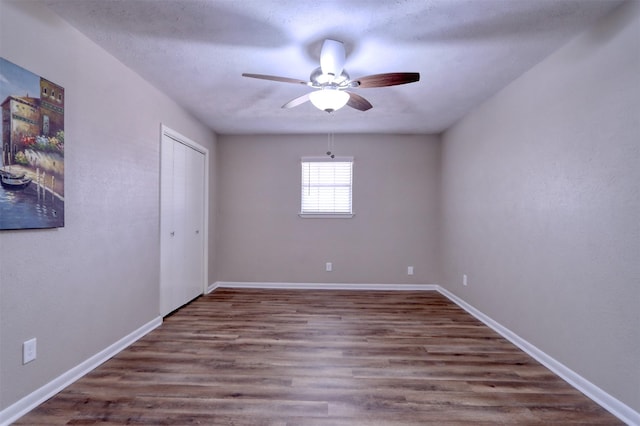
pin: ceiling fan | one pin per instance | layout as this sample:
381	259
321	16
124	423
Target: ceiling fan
332	82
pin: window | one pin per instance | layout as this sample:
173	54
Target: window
326	187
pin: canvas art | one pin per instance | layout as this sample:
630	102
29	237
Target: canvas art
32	160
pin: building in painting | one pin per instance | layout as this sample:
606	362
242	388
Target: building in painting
20	118
51	107
25	117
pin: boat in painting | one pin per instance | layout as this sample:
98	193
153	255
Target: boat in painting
10	174
13	181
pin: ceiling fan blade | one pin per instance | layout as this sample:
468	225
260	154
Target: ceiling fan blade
275	78
297	101
358	102
388	79
332	57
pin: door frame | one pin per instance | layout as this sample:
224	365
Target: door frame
167	132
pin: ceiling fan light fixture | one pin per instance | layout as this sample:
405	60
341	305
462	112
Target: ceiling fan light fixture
329	99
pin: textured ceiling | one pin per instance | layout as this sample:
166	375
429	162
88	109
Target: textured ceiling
196	50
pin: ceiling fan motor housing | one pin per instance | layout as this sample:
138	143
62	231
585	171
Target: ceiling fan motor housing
319	79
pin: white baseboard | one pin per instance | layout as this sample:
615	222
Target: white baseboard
31	401
599	396
322	286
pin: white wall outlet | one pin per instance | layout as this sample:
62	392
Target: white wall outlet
464	279
328	267
29	351
409	270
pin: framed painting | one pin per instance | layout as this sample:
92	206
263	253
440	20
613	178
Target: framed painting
32	160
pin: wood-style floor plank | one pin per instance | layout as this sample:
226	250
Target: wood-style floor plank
303	357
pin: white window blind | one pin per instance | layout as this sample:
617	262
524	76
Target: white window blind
326	186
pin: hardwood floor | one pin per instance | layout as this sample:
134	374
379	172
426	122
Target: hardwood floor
287	357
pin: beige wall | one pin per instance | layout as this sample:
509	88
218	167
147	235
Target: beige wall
395	198
80	288
541	206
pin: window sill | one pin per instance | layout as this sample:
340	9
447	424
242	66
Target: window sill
326	215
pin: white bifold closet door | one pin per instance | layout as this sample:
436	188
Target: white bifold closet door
182	223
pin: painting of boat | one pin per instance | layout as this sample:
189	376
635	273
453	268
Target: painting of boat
14	182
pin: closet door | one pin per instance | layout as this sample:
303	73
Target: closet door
182	227
193	224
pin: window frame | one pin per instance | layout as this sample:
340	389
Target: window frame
325	215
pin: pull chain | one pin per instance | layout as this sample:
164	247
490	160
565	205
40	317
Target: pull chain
330	145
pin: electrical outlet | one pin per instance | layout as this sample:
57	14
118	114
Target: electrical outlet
328	267
29	351
464	279
409	270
